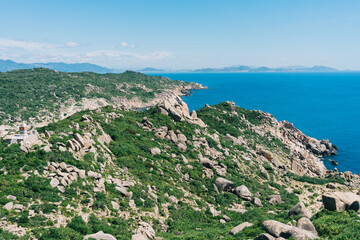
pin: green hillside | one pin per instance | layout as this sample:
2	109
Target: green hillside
38	92
133	173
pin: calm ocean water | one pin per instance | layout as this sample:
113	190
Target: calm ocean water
322	105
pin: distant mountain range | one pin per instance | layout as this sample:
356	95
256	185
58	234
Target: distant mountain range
9	65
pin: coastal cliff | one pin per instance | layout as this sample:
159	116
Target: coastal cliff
165	173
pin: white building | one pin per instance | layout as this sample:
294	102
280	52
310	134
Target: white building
25	136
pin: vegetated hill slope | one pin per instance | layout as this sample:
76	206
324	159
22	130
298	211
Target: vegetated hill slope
41	94
167	173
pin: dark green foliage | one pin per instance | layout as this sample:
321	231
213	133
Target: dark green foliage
62	233
78	224
337	225
320	181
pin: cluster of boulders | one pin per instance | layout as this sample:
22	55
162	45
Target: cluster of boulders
144	232
241	191
62	175
236	141
211	165
13	206
179	111
304	229
123	186
80	142
300	230
179	139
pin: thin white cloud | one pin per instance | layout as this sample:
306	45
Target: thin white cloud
72	44
28	45
125	44
30	52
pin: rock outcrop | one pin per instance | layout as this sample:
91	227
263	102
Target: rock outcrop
179	111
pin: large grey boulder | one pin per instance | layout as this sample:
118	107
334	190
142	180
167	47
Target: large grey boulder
240	227
341	201
306	224
278	229
300	210
224	184
100	236
243	192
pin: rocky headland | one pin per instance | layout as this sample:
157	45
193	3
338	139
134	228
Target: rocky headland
165	173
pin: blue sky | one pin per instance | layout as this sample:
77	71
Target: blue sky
176	34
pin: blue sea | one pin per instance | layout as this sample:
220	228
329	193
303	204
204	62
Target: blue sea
321	105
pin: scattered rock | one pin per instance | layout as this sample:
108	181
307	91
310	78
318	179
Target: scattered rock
243	192
240	227
226	218
257	202
173	199
11	197
9	206
224	184
275	199
54	182
214	212
155	151
115	205
331	186
334	162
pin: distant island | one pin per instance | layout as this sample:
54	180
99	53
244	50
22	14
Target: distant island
9	65
267	69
